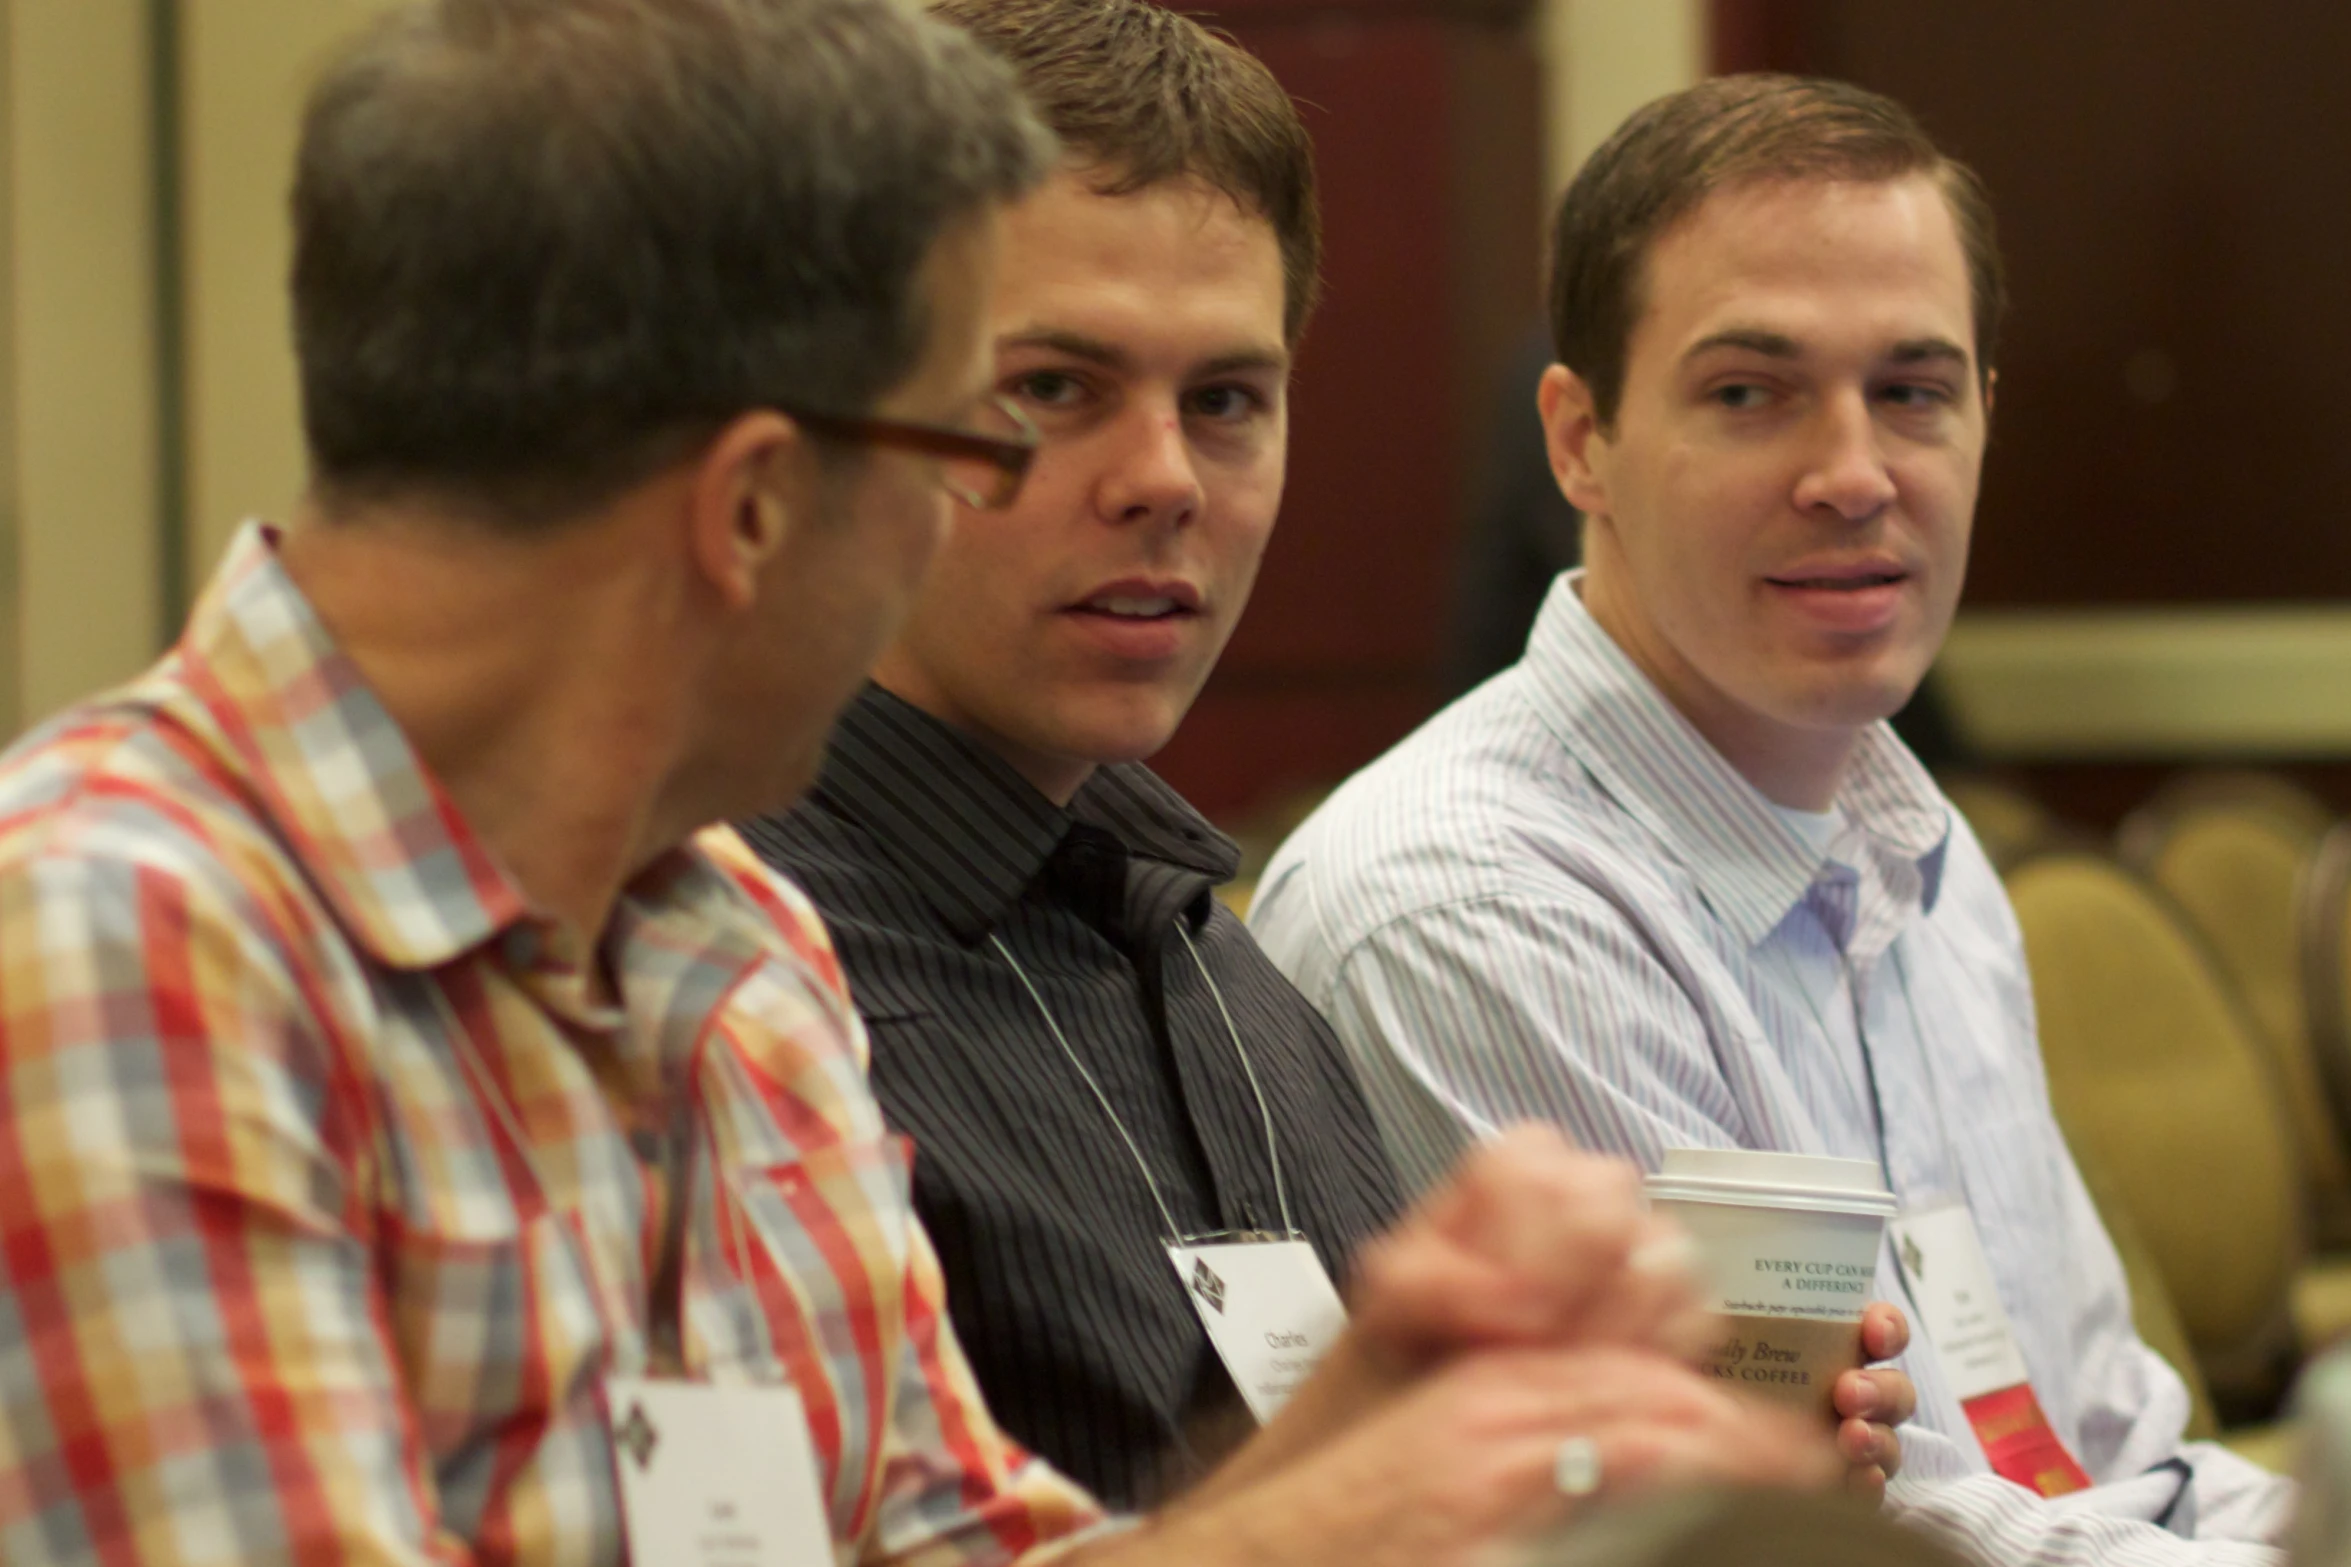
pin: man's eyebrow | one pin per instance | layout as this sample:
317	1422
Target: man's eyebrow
1776	345
1922	350
1773	345
1075	344
1246	360
1094	351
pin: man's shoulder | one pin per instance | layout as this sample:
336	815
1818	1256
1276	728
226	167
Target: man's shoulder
1483	803
140	781
834	862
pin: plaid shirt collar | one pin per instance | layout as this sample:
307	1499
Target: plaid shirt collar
1751	866
406	875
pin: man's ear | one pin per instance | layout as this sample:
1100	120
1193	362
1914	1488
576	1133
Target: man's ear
749	491
1571	432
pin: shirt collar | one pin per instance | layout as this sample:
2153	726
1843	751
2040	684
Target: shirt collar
381	839
1751	867
969	831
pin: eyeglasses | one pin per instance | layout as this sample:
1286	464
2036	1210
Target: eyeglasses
981	468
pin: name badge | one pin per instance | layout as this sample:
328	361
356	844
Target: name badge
1959	1309
716	1476
1269	1309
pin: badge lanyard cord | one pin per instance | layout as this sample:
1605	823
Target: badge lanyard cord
1265	1113
1273	1151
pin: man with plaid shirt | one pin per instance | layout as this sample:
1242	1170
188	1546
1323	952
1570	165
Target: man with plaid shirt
400	1088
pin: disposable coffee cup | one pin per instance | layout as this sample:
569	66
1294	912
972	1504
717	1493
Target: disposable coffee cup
1787	1251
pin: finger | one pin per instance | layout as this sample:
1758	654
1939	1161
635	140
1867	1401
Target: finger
1870	1445
1566	1220
1653	1302
1414	1295
1885	1331
1513	1247
1881	1394
1639	1454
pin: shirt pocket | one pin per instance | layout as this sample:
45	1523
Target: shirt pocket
497	1336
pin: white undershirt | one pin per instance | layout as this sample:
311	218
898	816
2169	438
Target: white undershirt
1818	829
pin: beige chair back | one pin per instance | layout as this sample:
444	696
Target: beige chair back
2324	938
2162	1083
2152	1311
2234	851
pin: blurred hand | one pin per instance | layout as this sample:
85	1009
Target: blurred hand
1528	1242
1466	1460
1871	1403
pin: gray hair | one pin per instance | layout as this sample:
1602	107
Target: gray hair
541	244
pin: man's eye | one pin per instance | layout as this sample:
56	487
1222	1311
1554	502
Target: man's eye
1916	394
1738	395
1047	388
1224	402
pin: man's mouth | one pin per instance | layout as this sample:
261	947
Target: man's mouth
1849	582
1125	608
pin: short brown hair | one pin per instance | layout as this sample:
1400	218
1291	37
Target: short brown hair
1671	155
1144	95
538	243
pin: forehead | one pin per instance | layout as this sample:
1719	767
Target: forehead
1842	263
1174	258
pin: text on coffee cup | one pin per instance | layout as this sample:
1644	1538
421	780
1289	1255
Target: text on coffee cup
1831	1278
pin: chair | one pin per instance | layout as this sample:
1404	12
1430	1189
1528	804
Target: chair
2324	940
2152	1311
2233	849
2161	1081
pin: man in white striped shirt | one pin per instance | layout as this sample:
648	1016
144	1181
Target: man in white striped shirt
1670	881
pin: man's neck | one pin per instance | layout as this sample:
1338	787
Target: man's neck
541	713
1057	778
1799	768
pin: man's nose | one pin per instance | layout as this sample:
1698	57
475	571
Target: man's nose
1152	476
1845	469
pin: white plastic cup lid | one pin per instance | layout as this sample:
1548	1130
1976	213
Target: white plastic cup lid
1749	1178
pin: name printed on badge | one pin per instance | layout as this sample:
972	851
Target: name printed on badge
1959	1307
1269	1309
716	1476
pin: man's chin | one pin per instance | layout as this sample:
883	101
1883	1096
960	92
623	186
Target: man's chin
1856	704
1126	731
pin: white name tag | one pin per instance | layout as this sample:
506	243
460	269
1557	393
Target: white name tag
1269	1309
1942	1257
716	1476
1958	1304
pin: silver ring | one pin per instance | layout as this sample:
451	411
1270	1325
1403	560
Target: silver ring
1575	1467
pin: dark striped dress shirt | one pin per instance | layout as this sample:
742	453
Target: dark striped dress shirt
918	844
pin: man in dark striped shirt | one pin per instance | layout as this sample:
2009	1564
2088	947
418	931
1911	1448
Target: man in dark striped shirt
1009	887
1091	1055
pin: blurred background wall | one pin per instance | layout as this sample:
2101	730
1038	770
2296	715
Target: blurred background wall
146	378
2160	575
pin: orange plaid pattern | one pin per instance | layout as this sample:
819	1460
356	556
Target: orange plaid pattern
277	1281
